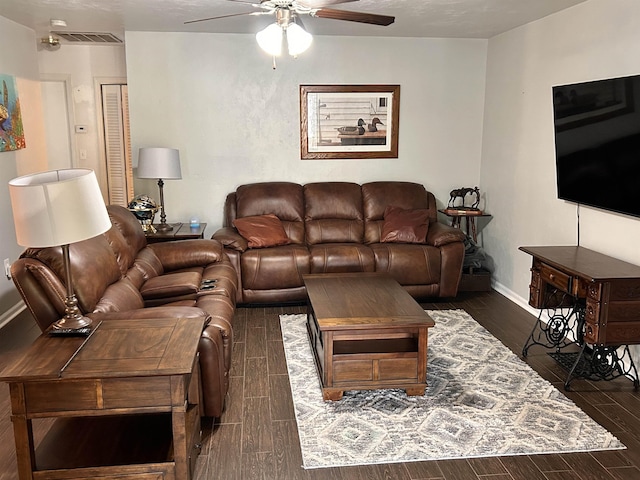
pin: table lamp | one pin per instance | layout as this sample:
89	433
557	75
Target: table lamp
160	163
57	208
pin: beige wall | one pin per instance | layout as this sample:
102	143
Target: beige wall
81	66
18	58
235	120
590	41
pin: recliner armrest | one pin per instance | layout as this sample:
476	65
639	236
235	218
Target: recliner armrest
440	234
153	312
187	253
231	239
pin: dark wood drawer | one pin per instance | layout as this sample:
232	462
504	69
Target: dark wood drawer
555	277
591	333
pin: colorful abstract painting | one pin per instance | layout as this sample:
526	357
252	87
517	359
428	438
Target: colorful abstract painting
11	131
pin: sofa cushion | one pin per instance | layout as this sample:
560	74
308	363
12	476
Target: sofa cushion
93	268
409	264
377	196
283	199
125	236
333	213
404	226
171	285
262	231
274	268
341	257
121	296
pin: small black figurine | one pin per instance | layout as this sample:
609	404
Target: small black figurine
461	193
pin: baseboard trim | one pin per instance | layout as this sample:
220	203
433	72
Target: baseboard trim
12	313
517	299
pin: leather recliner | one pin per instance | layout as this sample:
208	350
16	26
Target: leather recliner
116	275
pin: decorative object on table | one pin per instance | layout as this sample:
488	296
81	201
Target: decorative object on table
160	163
144	208
56	208
11	130
344	121
461	193
481	401
194	222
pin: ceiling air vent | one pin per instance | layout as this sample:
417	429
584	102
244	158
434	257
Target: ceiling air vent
87	37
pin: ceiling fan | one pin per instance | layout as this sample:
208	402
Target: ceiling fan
288	12
314	8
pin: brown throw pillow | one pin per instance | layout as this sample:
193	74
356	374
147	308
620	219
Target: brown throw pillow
262	230
404	226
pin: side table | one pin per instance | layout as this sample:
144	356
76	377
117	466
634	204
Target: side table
181	231
125	399
470	219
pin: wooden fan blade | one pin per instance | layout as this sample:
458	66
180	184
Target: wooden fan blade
249	2
225	16
353	16
320	3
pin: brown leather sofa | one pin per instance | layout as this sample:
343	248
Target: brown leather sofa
336	227
118	276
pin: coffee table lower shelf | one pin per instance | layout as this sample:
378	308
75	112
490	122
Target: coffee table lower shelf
361	360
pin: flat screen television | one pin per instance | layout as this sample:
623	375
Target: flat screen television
597	143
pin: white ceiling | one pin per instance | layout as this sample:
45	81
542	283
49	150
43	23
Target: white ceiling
414	18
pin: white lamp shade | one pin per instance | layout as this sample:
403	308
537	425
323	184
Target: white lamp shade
270	39
158	162
58	207
298	40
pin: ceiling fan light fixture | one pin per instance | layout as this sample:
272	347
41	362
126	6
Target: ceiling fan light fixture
298	40
270	39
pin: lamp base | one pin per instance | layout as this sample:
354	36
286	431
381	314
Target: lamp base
73	322
164	227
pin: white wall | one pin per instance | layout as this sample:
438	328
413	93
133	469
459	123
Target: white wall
18	58
81	65
235	120
592	40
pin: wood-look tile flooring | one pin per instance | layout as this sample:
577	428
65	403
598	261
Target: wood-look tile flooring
256	438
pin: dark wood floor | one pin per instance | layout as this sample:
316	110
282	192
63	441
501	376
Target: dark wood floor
257	437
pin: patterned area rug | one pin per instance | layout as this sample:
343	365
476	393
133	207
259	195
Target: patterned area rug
481	401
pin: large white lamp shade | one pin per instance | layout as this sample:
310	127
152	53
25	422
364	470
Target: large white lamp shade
58	207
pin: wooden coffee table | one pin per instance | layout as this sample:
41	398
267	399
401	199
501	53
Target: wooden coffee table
366	333
126	401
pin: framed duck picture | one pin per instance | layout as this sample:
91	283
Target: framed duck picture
349	121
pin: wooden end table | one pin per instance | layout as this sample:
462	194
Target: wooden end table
181	231
366	333
126	401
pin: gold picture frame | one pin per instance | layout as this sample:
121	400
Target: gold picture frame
349	121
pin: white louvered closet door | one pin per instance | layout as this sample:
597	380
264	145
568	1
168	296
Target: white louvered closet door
117	140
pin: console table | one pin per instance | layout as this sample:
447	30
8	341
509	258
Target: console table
592	296
126	401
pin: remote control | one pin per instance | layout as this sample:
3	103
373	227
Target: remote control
70	332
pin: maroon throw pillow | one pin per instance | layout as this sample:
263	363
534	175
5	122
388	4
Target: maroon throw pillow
405	226
262	230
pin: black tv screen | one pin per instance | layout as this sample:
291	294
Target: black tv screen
597	140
